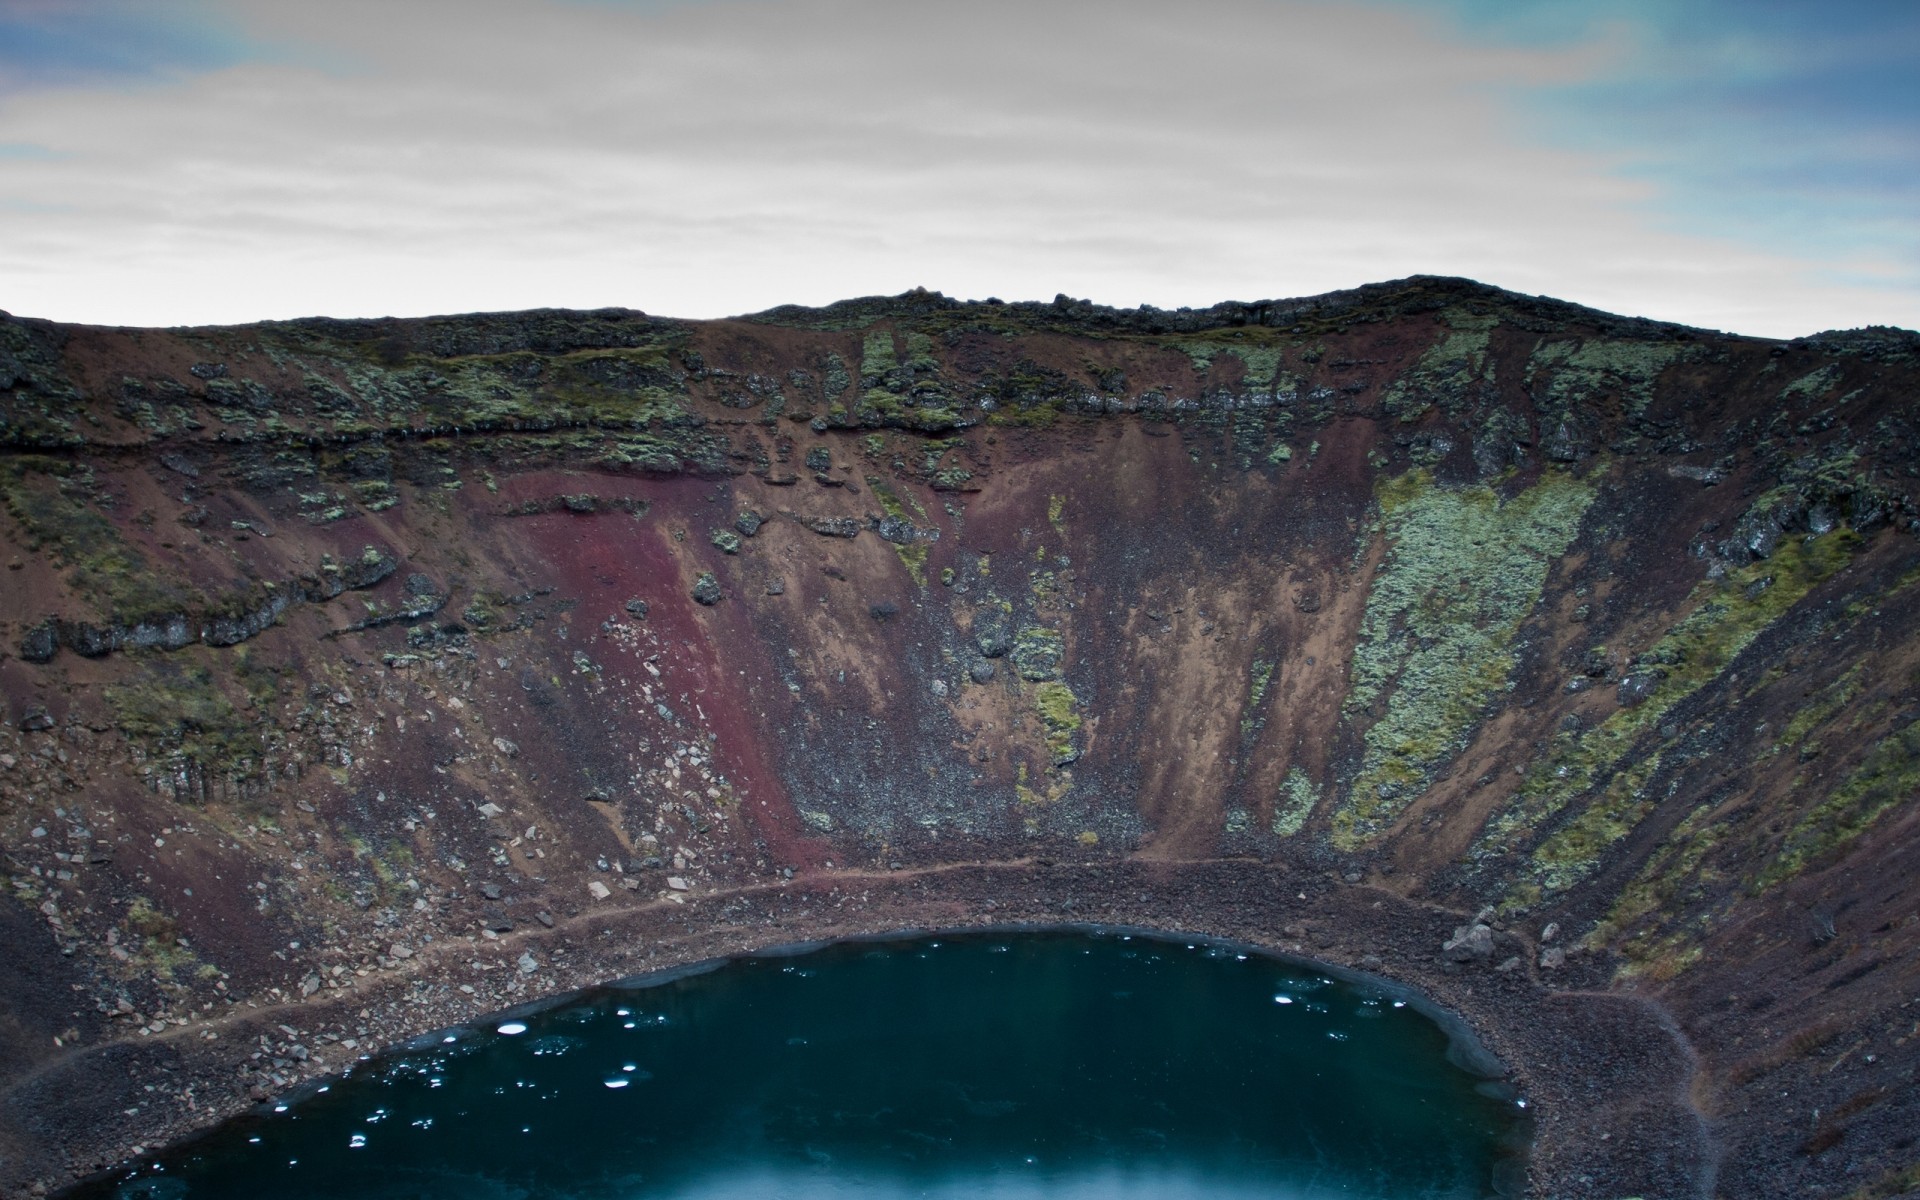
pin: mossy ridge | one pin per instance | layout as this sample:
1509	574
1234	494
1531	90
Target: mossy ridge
1649	903
1449	370
1728	614
1887	777
1836	696
1463	570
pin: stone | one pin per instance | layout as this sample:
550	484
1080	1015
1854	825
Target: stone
36	720
726	541
1509	964
527	964
819	459
490	890
421	585
749	523
1551	932
38	644
1552	958
1637	687
637	607
1469	943
981	671
776	588
678	884
598	890
839	527
545	918
400	950
992	638
506	747
706	589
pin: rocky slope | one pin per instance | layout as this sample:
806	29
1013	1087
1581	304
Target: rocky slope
363	676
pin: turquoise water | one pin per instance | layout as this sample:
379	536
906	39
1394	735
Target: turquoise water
1005	1065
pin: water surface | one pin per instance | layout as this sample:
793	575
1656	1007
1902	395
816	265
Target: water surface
1005	1065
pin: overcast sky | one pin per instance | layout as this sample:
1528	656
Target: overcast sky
1751	165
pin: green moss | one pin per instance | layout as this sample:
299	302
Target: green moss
1812	385
1280	453
877	356
177	711
1821	710
913	554
1607	762
1449	370
50	500
1056	514
1655	899
1567	373
1464	568
1297	799
726	541
1059	712
1250	720
1886	778
1036	653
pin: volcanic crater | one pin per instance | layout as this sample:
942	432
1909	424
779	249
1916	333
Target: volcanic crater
366	677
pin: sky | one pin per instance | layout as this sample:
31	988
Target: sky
1748	165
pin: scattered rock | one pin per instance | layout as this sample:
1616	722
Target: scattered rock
1552	958
749	523
637	607
490	890
678	884
38	644
1469	943
527	964
706	589
1637	687
598	890
36	719
544	917
726	541
400	950
506	747
776	588
840	527
981	671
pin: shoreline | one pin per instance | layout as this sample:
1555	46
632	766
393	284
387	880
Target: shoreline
1606	1075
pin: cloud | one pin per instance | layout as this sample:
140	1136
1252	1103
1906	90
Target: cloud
703	159
1785	125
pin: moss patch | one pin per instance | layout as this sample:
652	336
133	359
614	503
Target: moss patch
1463	570
1449	371
1297	799
1608	761
1887	777
1059	711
